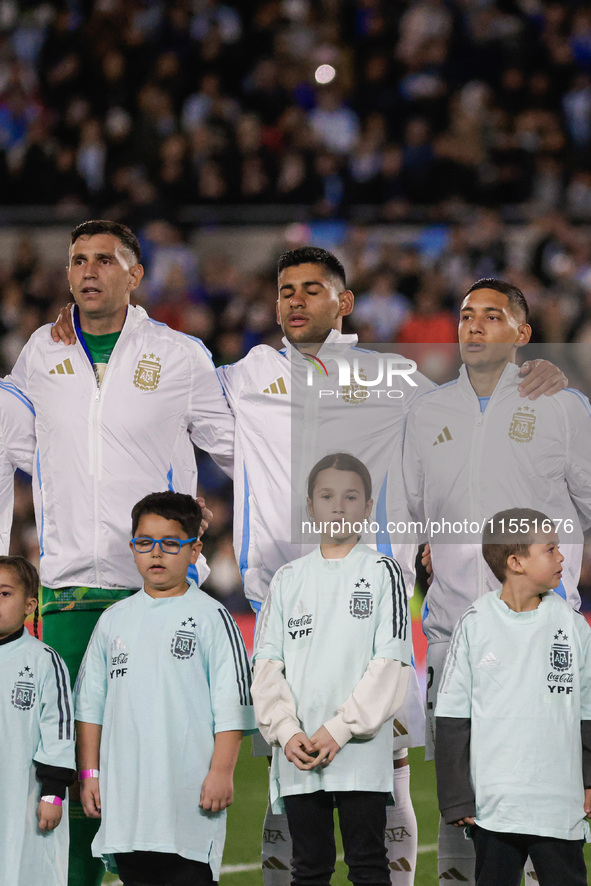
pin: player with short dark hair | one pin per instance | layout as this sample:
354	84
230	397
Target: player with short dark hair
473	447
312	302
104	226
116	416
313	255
515	296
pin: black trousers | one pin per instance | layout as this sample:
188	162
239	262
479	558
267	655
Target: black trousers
500	859
162	869
362	821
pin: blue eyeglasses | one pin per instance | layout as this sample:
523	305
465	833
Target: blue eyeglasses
143	544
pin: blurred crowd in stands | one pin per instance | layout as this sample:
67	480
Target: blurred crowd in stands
467	121
135	107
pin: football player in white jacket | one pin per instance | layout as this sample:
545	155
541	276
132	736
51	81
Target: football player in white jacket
271	417
474	447
116	417
312	301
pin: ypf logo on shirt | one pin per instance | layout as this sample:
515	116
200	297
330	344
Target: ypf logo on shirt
300	624
119	657
23	691
560	678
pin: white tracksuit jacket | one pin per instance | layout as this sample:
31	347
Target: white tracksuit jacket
17	448
461	463
101	449
283	428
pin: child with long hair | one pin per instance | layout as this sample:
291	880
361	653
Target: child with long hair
333	655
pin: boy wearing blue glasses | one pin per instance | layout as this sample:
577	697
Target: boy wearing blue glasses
162	702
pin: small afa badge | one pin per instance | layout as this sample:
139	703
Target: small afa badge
561	657
23	691
184	641
147	374
355	393
361	600
523	425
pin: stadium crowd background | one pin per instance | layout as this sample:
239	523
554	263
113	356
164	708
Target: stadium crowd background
453	142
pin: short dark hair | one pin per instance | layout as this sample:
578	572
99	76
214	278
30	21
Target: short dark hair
515	297
28	577
499	542
313	255
104	226
171	506
342	461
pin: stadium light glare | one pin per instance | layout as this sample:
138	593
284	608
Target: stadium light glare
325	74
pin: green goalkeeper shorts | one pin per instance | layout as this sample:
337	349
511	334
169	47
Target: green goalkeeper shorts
68	631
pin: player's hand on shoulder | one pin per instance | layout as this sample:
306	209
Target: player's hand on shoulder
49	816
300	751
63	328
325	747
206	516
541	377
427	563
217	791
90	797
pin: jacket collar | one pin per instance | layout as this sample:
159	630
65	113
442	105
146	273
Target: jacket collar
135	314
509	379
334	337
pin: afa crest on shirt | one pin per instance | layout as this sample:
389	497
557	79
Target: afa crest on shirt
147	374
23	695
361	601
523	425
184	641
355	393
561	657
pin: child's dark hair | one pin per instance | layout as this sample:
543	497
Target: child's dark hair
172	506
28	577
342	461
499	542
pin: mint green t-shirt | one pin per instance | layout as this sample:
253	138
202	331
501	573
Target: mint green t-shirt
524	679
326	620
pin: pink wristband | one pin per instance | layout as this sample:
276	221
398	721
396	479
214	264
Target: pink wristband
51	798
88	773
